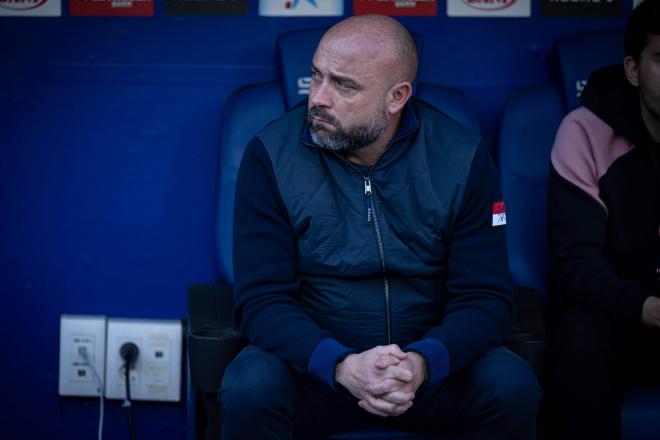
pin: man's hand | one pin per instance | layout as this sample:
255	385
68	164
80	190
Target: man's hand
382	363
393	391
651	312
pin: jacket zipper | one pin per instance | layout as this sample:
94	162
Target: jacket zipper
379	239
383	266
371	213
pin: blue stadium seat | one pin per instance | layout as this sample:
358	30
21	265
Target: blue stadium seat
294	55
246	111
452	102
529	123
640	414
580	54
531	118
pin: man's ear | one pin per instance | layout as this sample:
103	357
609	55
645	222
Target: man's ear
399	94
631	68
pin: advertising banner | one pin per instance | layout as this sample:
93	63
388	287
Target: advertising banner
30	8
582	8
301	8
396	7
489	8
206	7
100	8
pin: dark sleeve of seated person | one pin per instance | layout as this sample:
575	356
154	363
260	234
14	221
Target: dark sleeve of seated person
603	232
266	286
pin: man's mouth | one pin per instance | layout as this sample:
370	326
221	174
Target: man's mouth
318	117
321	120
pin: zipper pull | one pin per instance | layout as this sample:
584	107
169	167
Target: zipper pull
368	201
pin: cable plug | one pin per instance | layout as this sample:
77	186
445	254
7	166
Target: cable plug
129	352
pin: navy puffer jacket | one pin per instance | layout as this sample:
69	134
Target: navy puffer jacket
332	257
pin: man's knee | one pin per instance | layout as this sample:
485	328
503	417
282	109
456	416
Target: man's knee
508	385
256	383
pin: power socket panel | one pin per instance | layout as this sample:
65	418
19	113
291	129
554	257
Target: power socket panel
81	333
156	374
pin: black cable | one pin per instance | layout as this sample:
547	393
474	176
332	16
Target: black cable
129	353
127	402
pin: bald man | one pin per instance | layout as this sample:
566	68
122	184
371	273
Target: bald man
371	275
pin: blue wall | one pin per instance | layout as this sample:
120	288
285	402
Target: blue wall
109	132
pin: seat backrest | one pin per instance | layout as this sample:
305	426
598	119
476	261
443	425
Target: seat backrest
246	111
580	54
452	102
527	132
294	55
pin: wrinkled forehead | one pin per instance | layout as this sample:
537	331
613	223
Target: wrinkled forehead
360	55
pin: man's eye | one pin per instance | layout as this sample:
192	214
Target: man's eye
344	85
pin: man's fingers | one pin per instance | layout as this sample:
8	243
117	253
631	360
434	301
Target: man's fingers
380	405
403	408
384	386
393	350
382	408
398	397
368	408
400	409
398	373
390	391
386	360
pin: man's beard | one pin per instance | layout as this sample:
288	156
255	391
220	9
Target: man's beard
341	139
649	95
651	100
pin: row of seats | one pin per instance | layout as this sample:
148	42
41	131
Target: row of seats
530	120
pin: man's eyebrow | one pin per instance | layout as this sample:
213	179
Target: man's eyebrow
343	79
338	78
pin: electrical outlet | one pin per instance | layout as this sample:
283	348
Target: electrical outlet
156	374
78	335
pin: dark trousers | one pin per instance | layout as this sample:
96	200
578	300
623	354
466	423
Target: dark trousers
261	398
591	362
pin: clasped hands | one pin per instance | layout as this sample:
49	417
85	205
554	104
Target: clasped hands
651	312
384	378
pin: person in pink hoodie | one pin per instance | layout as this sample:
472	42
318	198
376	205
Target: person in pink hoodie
604	236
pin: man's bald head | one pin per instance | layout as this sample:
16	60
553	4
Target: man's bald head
379	36
362	75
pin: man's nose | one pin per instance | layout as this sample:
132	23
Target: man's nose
320	95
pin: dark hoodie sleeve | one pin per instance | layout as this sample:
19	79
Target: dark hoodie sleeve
478	313
581	276
266	288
